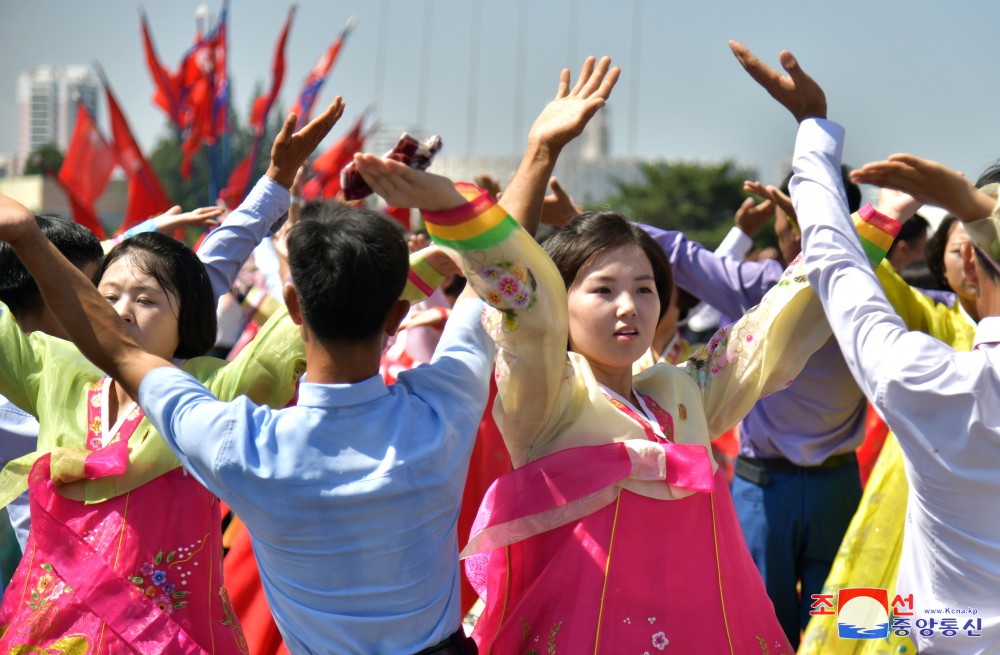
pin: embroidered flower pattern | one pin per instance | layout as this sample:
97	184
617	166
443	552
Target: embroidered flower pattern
508	287
154	583
660	641
47	587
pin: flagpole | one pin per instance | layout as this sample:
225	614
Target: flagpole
520	59
470	135
383	34
425	49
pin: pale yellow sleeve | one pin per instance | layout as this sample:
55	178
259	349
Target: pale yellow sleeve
526	316
760	353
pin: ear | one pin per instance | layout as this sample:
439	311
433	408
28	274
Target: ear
396	315
969	263
292	302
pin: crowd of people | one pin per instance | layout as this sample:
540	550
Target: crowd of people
520	429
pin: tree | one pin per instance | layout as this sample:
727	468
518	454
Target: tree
46	158
698	199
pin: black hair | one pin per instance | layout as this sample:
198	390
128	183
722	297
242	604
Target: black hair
349	266
990	175
852	190
178	271
910	231
935	251
18	289
590	233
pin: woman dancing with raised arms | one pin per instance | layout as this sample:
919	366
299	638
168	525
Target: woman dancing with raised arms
615	533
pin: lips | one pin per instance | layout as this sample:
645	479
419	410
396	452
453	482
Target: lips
626	334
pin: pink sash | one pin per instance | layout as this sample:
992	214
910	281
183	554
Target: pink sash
568	561
140	572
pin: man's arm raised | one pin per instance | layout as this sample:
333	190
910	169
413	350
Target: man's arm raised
90	321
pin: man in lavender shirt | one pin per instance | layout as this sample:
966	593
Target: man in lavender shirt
797	484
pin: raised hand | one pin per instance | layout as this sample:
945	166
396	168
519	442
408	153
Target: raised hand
16	221
751	215
173	218
928	182
778	197
291	148
897	205
558	207
402	186
564	118
797	92
488	183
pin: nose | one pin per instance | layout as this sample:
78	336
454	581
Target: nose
124	309
627	305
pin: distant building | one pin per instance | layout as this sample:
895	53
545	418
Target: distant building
46	107
41	194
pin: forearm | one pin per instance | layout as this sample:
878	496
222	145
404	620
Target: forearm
227	247
89	320
525	194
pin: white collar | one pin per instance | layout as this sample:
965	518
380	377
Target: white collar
987	332
641	410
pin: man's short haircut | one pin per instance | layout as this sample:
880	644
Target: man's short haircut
349	266
853	190
991	267
989	176
18	289
177	270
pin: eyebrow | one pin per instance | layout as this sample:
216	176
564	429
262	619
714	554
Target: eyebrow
608	278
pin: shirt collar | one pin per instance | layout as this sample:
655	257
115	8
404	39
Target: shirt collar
341	395
987	332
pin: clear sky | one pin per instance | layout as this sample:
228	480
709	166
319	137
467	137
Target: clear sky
901	75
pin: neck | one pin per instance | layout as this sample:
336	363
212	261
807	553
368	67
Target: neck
342	362
117	400
972	307
618	380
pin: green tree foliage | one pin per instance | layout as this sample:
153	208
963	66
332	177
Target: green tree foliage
47	157
698	199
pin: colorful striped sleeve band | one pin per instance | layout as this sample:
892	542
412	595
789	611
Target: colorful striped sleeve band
421	280
479	224
877	232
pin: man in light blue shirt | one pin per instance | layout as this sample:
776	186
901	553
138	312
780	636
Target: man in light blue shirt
352	496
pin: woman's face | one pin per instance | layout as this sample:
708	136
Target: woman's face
613	308
954	264
149	312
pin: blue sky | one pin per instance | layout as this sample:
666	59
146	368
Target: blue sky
901	76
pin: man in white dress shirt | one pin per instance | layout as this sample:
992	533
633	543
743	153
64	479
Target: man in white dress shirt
943	405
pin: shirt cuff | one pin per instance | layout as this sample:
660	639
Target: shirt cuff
267	199
736	244
877	232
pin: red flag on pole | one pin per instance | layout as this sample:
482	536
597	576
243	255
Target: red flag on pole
145	195
310	88
86	169
166	96
262	105
326	181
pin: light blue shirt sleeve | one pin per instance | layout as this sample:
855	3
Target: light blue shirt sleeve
228	246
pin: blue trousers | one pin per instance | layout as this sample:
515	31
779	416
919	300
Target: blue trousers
793	526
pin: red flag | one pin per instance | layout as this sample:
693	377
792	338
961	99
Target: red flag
326	182
166	96
262	105
83	212
310	88
236	187
203	76
89	160
145	195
